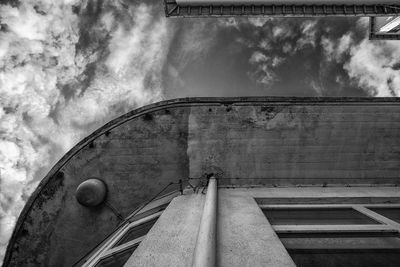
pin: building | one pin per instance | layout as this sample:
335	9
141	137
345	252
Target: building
262	181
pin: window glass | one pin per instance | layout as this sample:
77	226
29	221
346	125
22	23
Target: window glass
117	259
340	243
385	28
351	258
391	213
343	249
136	232
316	216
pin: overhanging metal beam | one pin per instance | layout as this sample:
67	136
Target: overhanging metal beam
285	2
173	9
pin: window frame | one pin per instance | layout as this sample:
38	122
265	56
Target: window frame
384	224
386	228
380	36
107	249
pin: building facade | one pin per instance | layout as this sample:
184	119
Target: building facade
263	181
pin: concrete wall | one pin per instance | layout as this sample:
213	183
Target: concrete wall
289	144
270	141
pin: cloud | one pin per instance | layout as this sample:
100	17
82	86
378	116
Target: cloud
258	21
343	59
57	84
258	57
336	50
308	30
196	38
317	87
340	59
281	30
29	63
372	65
264	68
275	39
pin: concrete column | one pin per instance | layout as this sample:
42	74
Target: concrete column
245	237
205	251
172	239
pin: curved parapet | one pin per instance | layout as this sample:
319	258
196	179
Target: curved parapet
242	141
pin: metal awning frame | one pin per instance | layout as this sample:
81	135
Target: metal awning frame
172	9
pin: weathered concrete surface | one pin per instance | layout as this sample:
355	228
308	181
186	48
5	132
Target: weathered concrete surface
172	240
271	141
286	144
245	237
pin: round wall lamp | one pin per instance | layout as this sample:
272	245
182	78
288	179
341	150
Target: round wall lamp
91	192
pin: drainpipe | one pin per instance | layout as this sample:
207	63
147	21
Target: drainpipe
205	250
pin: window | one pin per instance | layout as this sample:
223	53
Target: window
316	216
118	259
347	258
136	232
391	213
117	249
385	28
335	235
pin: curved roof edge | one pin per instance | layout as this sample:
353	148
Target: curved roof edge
165	104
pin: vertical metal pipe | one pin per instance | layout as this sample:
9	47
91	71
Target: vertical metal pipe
205	251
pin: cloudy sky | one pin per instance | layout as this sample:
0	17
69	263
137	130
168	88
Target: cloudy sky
69	66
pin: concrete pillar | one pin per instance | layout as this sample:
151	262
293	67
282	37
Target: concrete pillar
172	239
245	237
